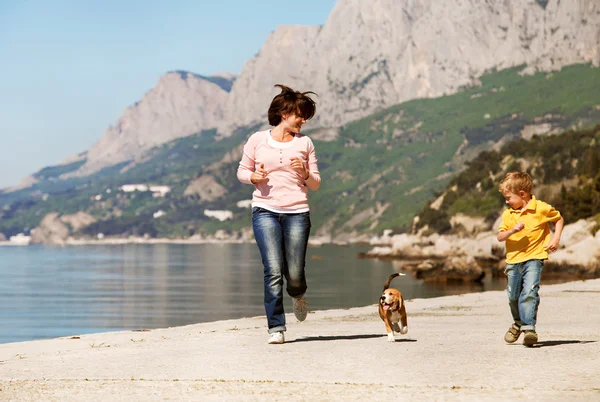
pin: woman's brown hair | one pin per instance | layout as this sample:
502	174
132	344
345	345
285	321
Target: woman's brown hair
291	102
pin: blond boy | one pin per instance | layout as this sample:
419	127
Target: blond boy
525	229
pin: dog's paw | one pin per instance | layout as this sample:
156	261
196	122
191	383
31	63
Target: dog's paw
391	338
404	330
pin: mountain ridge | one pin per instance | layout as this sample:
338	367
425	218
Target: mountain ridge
377	171
366	57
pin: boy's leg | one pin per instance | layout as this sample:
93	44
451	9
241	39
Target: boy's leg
269	238
514	286
530	299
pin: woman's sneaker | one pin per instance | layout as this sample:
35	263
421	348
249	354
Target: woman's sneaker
276	337
512	334
530	338
300	307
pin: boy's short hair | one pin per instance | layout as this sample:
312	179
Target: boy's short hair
515	182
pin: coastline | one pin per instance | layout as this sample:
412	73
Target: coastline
143	240
135	240
454	351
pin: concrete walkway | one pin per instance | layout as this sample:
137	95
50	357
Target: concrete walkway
454	350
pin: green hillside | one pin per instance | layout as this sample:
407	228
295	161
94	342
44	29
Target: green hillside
413	146
565	168
378	174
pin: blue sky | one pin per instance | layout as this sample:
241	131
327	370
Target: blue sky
68	69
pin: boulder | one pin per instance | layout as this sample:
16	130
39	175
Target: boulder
78	220
450	269
51	231
459	258
470	224
577	232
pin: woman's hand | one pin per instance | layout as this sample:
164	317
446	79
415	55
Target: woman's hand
298	166
259	175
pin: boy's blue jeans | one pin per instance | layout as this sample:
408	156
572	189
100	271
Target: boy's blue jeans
522	289
282	240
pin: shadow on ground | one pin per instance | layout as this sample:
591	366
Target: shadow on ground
558	343
344	337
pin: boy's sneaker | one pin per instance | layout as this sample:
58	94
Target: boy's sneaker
530	338
300	307
512	334
276	338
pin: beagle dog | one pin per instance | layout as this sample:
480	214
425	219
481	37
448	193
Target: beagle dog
392	310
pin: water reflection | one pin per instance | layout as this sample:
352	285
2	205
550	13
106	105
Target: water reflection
49	292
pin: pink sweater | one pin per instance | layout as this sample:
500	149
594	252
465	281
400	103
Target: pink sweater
285	190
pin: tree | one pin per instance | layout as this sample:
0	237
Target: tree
590	162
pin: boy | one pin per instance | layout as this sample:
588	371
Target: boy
526	231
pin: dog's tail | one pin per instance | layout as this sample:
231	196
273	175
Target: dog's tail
392	276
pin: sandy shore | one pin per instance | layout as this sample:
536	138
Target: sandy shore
453	351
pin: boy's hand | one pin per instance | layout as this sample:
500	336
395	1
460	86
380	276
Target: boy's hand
552	246
518	227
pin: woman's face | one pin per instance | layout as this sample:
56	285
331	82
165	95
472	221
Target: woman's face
293	123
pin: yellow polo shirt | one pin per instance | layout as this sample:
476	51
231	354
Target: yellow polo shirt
528	243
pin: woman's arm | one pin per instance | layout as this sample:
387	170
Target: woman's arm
246	167
313	181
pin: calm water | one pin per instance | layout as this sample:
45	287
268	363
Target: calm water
49	292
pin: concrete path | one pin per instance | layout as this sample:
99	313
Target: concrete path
454	350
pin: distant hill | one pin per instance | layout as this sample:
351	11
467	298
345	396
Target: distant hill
368	56
378	172
565	169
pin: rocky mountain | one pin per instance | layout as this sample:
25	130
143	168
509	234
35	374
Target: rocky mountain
369	55
180	104
377	171
373	54
382	153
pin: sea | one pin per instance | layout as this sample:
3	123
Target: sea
50	292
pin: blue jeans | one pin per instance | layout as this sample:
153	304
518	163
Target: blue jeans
522	289
282	240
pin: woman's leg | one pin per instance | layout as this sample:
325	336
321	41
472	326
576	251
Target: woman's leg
269	238
296	230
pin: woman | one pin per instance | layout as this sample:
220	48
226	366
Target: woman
282	165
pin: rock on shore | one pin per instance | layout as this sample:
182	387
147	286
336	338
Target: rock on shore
468	257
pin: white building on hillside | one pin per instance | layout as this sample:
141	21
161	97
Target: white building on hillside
220	215
20	240
244	204
128	188
157	191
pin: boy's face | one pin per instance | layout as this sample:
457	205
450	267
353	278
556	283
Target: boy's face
516	201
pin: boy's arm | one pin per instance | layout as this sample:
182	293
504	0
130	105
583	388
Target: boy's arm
553	245
504	235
